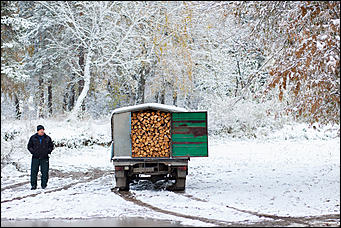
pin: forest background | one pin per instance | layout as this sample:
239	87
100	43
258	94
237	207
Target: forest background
252	65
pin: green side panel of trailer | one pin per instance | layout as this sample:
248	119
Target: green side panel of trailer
179	116
189	134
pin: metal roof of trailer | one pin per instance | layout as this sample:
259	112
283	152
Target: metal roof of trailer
153	106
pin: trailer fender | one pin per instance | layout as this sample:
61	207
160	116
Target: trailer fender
182	172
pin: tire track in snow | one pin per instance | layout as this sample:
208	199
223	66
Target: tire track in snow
95	174
304	220
52	173
130	197
15	185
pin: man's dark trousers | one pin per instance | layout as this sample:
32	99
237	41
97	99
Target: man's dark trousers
44	169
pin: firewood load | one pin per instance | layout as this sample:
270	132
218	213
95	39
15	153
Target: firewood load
150	134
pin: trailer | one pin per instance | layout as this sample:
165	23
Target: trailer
156	141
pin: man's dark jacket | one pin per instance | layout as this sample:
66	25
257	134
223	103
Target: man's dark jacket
40	150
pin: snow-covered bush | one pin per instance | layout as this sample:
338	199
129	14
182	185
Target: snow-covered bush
16	133
14	139
241	119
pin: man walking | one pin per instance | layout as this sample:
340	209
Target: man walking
40	145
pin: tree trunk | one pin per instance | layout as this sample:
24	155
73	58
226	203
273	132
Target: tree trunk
65	99
162	97
69	96
81	82
140	90
145	69
49	97
80	89
41	98
87	76
175	93
157	97
237	79
71	102
175	97
17	107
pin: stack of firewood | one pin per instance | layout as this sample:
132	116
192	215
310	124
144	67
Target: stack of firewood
150	134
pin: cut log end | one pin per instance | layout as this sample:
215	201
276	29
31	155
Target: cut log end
150	134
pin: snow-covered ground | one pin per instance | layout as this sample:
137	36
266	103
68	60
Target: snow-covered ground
291	175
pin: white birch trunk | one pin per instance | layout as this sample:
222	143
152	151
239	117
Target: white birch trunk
75	111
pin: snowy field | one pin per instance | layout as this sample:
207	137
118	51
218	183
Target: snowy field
289	178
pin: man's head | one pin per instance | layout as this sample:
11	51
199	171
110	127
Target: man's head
40	130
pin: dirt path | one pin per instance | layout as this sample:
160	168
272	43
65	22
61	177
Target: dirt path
276	220
317	221
130	197
52	173
83	177
15	185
